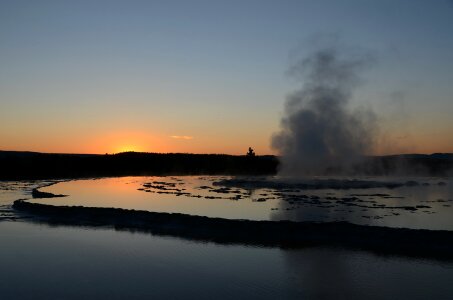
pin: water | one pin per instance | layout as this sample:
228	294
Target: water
427	205
39	261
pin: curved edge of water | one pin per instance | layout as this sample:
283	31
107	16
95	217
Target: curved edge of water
437	244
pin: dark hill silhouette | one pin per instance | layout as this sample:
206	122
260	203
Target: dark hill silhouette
33	165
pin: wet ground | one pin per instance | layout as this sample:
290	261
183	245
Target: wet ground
396	202
41	261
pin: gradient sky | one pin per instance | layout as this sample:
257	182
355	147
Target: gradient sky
210	76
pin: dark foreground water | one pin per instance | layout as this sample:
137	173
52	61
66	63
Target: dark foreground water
38	261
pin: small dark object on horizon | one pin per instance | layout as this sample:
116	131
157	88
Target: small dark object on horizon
251	152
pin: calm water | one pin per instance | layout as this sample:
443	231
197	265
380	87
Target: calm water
42	262
426	205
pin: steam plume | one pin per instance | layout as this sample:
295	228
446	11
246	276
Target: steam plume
319	131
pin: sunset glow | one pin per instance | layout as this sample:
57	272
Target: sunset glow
240	149
126	141
107	83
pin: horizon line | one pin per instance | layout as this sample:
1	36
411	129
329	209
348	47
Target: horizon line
193	153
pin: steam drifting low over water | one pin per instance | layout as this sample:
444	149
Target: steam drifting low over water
320	131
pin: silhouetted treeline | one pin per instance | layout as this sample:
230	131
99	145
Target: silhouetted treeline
32	165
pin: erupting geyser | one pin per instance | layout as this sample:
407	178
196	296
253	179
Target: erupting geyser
320	133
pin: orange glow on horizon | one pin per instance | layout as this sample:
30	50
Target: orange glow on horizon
114	140
126	141
128	148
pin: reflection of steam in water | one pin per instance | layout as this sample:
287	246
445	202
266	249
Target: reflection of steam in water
321	274
409	205
324	199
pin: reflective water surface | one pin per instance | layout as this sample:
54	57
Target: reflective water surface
424	203
39	261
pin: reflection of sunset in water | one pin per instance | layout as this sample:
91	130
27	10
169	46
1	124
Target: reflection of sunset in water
424	206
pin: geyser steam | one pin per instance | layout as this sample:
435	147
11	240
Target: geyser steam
320	133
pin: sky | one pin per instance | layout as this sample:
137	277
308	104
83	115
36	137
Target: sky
211	76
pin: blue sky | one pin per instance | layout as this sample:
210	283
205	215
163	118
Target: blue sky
74	72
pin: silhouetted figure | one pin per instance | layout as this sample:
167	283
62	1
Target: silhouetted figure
251	152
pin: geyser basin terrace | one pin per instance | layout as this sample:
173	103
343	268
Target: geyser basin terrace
436	244
421	203
189	206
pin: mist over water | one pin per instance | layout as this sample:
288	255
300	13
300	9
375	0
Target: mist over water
320	131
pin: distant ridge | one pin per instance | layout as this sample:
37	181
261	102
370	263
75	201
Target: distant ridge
35	165
25	153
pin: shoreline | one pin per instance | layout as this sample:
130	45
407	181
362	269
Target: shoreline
425	243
